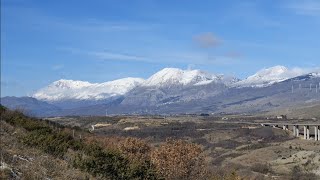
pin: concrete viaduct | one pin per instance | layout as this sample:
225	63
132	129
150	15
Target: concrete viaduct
309	130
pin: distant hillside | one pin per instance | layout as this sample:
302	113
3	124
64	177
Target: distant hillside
308	111
30	106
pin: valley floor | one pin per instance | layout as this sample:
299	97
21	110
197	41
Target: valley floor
237	144
234	145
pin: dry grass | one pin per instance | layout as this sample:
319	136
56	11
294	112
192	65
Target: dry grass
31	163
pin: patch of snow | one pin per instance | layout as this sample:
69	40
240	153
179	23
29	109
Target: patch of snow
203	82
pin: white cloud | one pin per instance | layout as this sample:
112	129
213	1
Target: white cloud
180	57
305	7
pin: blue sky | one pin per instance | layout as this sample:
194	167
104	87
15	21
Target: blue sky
102	40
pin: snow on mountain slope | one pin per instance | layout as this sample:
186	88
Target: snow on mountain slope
168	77
269	76
174	76
315	74
82	90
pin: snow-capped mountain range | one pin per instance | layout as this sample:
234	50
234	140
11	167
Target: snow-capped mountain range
173	90
167	77
82	90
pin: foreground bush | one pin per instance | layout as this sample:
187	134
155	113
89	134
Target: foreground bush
111	163
179	160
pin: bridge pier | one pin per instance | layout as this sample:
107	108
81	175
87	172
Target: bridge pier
297	131
316	133
306	132
285	127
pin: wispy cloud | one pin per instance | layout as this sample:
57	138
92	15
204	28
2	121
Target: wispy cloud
207	40
103	26
57	67
104	55
35	18
233	54
305	7
180	57
305	70
250	13
297	71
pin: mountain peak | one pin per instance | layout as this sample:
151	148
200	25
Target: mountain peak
175	76
267	76
81	90
275	70
272	71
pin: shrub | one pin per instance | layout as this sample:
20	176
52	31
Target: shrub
178	160
298	174
135	149
138	153
224	174
110	164
54	143
261	168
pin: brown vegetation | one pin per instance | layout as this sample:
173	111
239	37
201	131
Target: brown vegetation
194	150
111	158
179	160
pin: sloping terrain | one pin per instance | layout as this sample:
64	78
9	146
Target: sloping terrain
30	106
19	161
305	111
